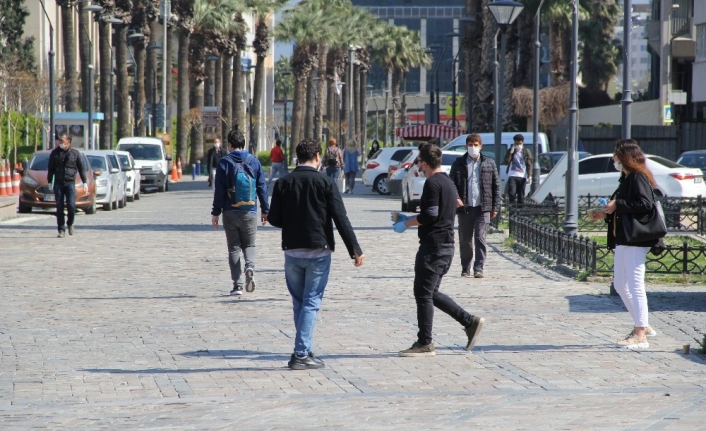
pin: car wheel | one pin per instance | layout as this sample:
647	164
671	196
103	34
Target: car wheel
162	188
92	208
131	198
121	202
24	209
380	184
107	207
137	196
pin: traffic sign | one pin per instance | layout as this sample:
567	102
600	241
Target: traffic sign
453	105
668	118
211	116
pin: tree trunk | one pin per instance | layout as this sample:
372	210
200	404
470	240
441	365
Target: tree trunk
483	66
104	39
183	94
321	92
557	50
257	99
140	75
396	80
363	107
356	104
309	106
151	86
331	107
197	98
237	99
170	83
84	54
227	99
297	113
217	82
345	94
121	89
70	75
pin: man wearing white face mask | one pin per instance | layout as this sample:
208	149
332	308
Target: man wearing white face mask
64	164
519	165
476	178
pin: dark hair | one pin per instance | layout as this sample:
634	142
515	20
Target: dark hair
375	142
633	159
518	137
474	137
65	135
307	150
430	154
236	138
278	143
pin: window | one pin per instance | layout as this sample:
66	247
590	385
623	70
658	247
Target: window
400	154
40	162
598	165
701	42
97	162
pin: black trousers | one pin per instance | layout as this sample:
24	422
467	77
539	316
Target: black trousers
430	266
516	189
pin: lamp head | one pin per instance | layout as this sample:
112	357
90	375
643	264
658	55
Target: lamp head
505	12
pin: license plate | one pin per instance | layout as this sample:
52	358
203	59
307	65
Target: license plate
698	180
49	198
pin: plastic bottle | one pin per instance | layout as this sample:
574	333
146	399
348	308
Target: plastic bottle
603	201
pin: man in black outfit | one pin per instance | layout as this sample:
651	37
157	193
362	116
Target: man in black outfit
213	158
64	163
436	250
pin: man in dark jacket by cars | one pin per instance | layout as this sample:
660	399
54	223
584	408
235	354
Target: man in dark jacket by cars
478	186
306	205
213	158
64	164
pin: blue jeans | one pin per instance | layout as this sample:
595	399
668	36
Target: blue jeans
277	170
306	281
333	172
67	191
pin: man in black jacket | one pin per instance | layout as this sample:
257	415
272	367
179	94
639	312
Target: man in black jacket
213	158
312	204
519	168
478	186
64	164
436	251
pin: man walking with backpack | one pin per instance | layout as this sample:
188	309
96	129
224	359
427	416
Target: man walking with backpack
239	183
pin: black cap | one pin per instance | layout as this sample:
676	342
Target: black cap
518	137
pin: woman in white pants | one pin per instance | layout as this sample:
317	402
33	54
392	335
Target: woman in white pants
633	197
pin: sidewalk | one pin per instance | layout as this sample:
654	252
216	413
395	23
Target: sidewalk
146	337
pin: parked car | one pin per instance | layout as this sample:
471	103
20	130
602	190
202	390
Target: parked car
36	192
694	159
413	182
151	158
548	160
597	176
127	165
107	181
122	178
397	171
375	173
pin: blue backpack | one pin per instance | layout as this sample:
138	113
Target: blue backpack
241	184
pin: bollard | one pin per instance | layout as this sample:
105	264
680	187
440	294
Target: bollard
193	172
198	167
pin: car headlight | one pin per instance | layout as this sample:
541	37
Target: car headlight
102	183
29	181
157	167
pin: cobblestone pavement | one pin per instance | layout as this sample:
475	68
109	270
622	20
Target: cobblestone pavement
127	325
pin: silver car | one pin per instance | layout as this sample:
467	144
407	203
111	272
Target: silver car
122	177
127	165
106	176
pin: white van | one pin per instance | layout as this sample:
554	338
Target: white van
459	145
151	160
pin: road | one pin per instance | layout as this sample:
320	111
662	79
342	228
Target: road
128	325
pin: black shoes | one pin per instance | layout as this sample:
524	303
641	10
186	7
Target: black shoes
71	230
473	330
465	273
309	362
477	274
61	234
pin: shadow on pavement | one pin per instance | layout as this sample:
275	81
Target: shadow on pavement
130	227
182	370
542	347
236	301
657	301
693	356
135	297
250	354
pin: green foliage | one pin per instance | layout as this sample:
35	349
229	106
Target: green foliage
16	52
21	129
264	158
284	84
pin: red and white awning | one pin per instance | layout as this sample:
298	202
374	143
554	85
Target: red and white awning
425	132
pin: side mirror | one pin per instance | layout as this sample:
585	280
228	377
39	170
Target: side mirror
114	170
169	158
20	170
97	173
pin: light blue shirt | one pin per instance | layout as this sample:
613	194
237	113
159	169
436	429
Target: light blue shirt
473	198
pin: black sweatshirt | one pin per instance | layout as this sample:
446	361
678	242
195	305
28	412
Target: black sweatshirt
437	211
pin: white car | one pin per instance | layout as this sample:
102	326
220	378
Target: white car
127	165
375	173
413	182
397	171
151	158
107	179
597	176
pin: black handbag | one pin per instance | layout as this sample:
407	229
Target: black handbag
647	226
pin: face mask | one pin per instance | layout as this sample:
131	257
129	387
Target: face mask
618	166
62	146
473	151
518	146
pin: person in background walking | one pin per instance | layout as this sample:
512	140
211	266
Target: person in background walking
519	166
373	149
436	250
634	196
64	164
239	223
333	160
478	186
214	156
350	169
277	158
306	205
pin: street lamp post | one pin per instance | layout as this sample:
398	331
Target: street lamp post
166	10
571	217
315	81
93	9
286	160
469	77
351	59
536	172
454	81
52	83
137	115
626	101
505	12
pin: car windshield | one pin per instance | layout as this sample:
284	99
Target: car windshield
97	163
124	162
409	157
664	162
142	152
693	160
40	162
448	159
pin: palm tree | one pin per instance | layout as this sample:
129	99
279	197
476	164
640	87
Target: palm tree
71	101
238	32
140	23
106	71
184	9
84	47
155	39
602	54
122	11
263	10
